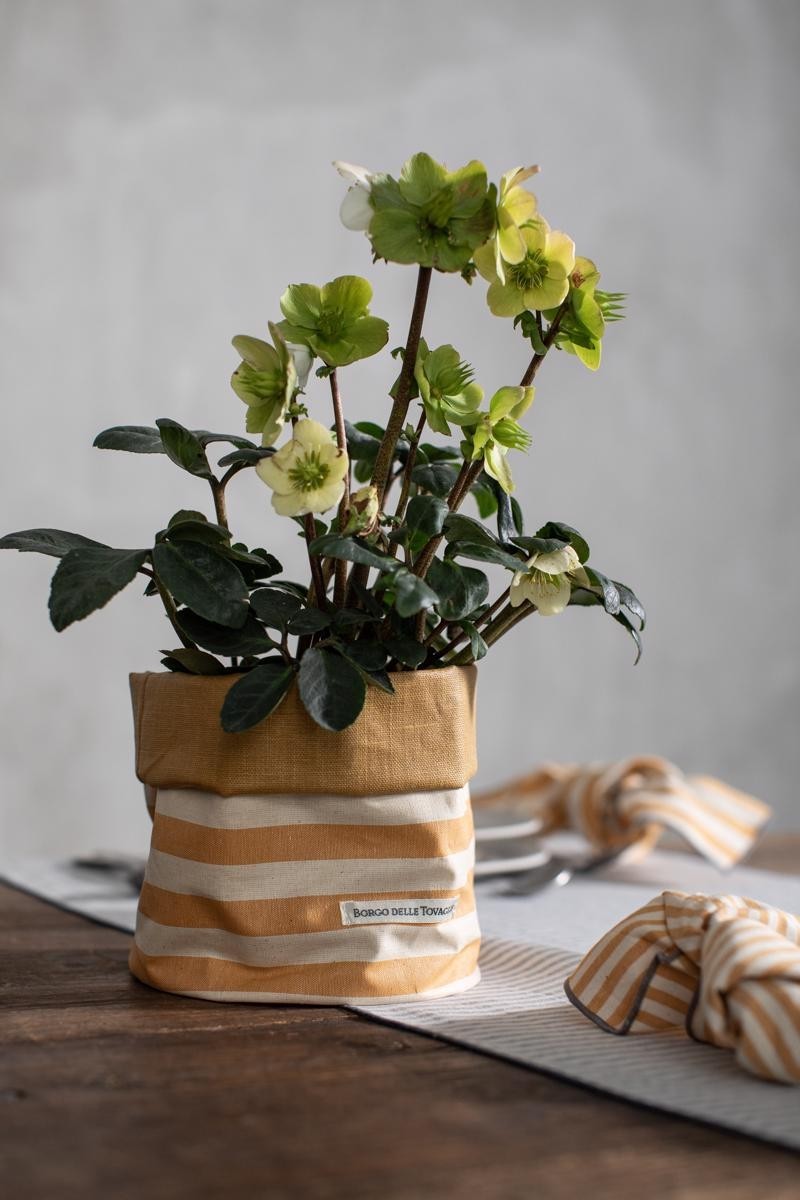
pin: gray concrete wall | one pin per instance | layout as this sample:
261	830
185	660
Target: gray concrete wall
165	174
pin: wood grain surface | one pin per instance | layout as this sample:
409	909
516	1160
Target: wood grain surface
110	1090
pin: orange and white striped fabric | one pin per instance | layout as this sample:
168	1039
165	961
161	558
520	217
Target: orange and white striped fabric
319	899
634	801
726	968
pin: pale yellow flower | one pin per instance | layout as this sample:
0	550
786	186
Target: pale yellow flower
545	582
515	208
307	475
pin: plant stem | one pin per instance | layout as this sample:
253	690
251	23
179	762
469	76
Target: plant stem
409	467
469	472
309	529
172	613
218	492
340	570
548	339
506	620
492	610
385	456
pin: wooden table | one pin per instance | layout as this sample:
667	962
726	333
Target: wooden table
110	1090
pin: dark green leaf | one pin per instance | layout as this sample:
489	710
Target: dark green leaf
136	439
184	448
368	601
626	623
406	650
477	644
286	585
485	553
424	519
199	577
188	525
370	656
54	542
436	478
485	499
458	528
234	439
631	601
331	688
363	439
611	597
333	545
255	696
557	529
256	564
380	679
344	618
460	589
247	456
274	608
583	598
411	594
195	662
540	545
308	620
249	639
87	578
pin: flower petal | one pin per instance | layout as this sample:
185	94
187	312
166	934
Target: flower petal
550	593
549	294
505	300
312	435
518	592
355	211
301	304
353	173
484	258
557	562
561	249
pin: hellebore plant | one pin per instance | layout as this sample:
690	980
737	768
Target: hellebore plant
389	589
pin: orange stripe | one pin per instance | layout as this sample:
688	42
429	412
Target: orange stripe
667	999
304	843
395	977
603	949
676	819
652	1021
760	810
261	918
774	1035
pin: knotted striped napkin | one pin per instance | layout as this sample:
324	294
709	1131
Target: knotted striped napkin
633	801
726	968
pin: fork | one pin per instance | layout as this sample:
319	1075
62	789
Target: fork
557	870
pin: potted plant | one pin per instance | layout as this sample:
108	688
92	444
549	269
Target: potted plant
306	752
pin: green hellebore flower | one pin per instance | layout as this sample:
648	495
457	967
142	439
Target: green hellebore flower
515	208
446	388
267	379
538	281
499	431
431	216
333	321
583	325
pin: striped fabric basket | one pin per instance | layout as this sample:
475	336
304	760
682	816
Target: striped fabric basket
293	865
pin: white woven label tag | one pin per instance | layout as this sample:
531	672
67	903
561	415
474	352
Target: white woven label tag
402	912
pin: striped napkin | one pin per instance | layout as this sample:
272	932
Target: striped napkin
724	967
632	802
